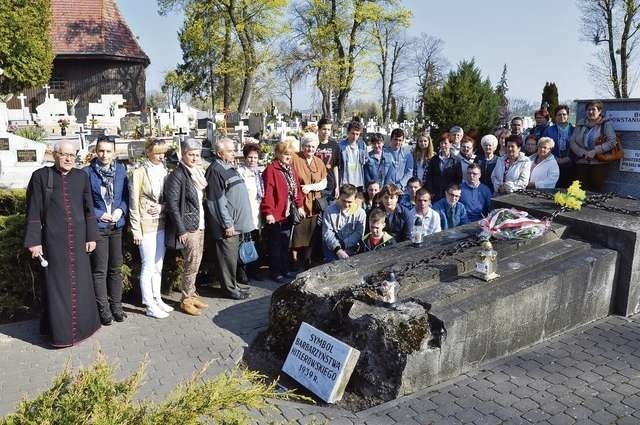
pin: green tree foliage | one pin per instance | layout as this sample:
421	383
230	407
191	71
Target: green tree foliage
333	35
466	99
393	109
219	25
550	96
501	91
93	395
174	87
26	53
402	115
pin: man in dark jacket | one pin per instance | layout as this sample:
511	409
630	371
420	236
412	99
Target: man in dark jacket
183	194
110	195
228	215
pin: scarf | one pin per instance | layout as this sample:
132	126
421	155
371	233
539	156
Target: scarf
197	176
291	181
563	139
156	173
259	182
107	175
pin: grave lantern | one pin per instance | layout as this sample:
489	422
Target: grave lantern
487	264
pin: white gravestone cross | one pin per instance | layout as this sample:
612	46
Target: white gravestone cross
241	128
83	133
46	88
320	362
22	98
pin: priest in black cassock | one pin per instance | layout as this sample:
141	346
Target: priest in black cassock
61	227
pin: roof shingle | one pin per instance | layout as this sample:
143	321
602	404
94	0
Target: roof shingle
93	27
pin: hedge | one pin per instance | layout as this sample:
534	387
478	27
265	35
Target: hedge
20	276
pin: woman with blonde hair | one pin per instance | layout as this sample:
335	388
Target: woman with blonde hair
312	176
282	195
422	154
544	167
147	220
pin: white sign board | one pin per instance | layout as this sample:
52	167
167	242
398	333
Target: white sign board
320	362
631	161
624	120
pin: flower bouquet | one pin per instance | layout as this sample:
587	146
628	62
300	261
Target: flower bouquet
509	223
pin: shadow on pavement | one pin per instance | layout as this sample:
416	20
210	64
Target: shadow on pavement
27	331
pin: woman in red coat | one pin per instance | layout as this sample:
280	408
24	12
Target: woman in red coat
282	192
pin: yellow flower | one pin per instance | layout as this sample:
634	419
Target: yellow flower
574	197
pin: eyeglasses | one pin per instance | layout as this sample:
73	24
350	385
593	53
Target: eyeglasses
66	155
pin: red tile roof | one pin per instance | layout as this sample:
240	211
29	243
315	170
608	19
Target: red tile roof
93	27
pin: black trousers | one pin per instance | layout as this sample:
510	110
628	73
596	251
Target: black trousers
278	238
106	260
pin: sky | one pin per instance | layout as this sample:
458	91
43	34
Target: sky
538	41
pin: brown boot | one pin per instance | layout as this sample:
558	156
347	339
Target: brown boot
187	305
197	301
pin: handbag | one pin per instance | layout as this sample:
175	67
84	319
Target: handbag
616	153
319	205
294	214
247	250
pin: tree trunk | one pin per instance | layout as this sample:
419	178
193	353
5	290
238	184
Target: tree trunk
226	79
630	12
609	16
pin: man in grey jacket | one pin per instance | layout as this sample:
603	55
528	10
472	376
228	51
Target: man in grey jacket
342	225
228	216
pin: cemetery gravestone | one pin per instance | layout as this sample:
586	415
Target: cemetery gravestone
320	362
129	124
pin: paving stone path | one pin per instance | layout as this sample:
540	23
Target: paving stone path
588	376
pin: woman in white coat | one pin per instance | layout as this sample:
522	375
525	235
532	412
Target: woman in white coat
513	169
545	171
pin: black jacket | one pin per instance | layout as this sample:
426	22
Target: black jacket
182	206
439	180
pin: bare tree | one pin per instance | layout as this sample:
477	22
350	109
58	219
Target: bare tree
391	42
430	67
612	26
520	107
290	70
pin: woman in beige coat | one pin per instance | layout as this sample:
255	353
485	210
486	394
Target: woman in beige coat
146	213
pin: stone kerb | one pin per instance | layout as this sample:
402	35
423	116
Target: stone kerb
546	288
619	232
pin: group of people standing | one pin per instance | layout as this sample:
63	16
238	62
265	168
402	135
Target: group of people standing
318	200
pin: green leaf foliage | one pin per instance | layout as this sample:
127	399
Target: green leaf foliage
466	99
93	396
550	95
26	52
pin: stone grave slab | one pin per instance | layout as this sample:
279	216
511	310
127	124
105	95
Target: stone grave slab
446	321
129	123
320	362
620	232
19	157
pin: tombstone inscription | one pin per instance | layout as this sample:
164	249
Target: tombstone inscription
26	155
320	362
4	143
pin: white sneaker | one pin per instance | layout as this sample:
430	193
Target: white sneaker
163	306
155	311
